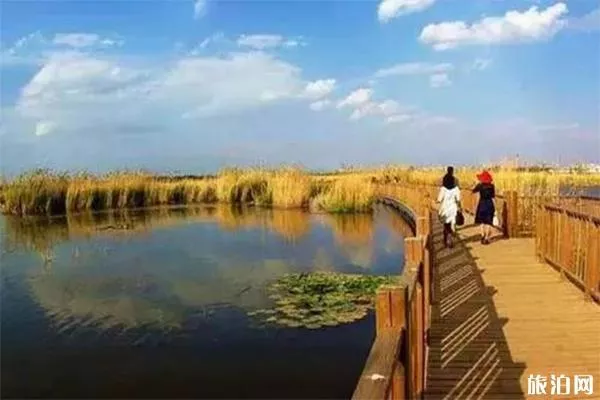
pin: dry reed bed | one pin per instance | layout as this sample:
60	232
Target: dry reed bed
43	192
50	193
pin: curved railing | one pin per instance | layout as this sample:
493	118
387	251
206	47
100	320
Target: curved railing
397	363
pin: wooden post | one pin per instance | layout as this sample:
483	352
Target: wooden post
422	226
560	243
413	250
512	208
420	367
540	230
592	273
426	283
398	386
389	308
390	314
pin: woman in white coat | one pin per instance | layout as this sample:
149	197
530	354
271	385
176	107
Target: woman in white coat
449	201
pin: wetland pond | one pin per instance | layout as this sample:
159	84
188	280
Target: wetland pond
158	303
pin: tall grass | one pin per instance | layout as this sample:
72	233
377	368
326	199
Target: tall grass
347	194
46	192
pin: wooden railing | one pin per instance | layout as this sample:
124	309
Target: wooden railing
516	213
569	240
396	367
421	198
397	363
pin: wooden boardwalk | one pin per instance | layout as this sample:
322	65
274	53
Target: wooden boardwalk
500	315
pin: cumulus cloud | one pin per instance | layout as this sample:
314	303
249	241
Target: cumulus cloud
357	98
199	8
319	89
320	105
20	52
267	41
362	105
75	89
44	127
439	80
515	26
395	119
390	9
34	37
415	68
386	108
36	49
83	40
389	111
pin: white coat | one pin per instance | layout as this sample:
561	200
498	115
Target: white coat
449	200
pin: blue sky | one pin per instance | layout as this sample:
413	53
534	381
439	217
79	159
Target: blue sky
195	85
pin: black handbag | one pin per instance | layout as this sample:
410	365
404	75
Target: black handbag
460	218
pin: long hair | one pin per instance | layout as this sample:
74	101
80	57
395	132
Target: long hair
449	182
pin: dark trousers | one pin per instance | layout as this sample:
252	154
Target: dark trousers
447	232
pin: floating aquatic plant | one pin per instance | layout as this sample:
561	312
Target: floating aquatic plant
321	299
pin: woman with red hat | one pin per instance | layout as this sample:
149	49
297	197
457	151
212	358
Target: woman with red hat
485	208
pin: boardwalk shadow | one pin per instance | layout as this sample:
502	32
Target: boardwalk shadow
469	355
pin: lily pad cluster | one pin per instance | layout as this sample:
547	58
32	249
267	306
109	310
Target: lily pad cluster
321	299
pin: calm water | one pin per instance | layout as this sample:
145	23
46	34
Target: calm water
160	309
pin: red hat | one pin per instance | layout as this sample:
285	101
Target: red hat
485	177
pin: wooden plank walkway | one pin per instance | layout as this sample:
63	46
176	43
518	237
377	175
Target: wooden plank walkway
500	316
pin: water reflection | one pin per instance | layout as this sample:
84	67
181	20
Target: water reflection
157	267
187	275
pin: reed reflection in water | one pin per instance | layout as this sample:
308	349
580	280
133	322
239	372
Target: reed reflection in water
187	276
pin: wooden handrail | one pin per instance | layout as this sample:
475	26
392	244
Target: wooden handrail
383	374
569	241
397	363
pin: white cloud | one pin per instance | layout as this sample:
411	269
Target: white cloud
83	40
415	68
513	27
34	37
386	108
20	53
44	127
199	8
395	119
319	89
320	105
439	80
76	90
216	39
357	98
389	9
36	49
267	41
587	22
